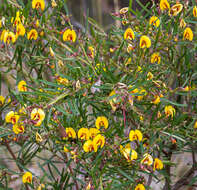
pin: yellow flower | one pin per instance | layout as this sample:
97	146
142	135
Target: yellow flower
83	133
149	76
154	21
17	20
38	4
0	23
135	135
37	23
124	10
125	21
147	160
158	164
195	11
51	52
156	100
145	42
89	186
88	146
182	23
2	100
113	101
53	3
42	33
92	51
18	128
98	67
20	30
176	39
27	177
99	140
129	34
158	114
22	110
188	34
142	93
38	138
126	146
37	115
164	5
9	37
70	132
155	58
176	9
121	149
9	100
12	117
128	62
134	91
111	50
93	132
139	69
66	149
73	155
140	187
41	186
32	34
101	122
129	154
187	88
61	80
195	125
3	34
22	86
169	111
69	35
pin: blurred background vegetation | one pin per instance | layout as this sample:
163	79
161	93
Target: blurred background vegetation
99	10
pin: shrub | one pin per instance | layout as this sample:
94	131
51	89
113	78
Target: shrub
97	109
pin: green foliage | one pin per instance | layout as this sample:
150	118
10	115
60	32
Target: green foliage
70	83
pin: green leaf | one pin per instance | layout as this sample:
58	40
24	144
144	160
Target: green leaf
173	103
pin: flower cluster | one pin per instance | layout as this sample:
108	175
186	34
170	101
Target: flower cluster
131	154
92	137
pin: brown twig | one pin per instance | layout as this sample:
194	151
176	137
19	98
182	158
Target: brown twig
13	155
167	179
71	171
15	159
185	180
124	116
63	134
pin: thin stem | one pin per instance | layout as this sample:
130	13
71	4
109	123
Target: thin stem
71	171
124	116
13	155
15	159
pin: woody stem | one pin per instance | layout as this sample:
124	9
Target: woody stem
124	116
15	159
71	171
